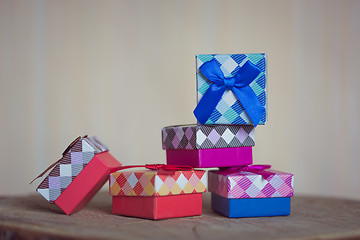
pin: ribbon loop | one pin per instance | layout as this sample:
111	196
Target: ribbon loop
239	84
154	166
257	169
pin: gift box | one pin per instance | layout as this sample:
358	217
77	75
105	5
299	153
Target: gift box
83	169
251	191
157	194
209	145
231	89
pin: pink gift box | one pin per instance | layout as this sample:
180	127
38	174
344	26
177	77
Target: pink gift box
207	158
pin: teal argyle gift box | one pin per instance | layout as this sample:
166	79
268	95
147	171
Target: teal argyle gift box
229	109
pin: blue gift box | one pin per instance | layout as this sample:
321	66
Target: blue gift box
250	207
231	89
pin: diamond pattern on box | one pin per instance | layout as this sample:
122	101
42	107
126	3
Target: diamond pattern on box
229	109
70	165
152	183
250	185
208	136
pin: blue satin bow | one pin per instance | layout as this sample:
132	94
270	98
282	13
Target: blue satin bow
239	84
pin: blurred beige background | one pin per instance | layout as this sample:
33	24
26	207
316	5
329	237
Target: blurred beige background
122	70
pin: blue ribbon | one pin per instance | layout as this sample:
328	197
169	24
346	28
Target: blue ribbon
239	84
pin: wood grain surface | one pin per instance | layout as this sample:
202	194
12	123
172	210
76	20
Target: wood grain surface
31	217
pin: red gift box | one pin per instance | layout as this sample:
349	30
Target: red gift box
78	175
158	194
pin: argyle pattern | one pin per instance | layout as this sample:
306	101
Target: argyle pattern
208	136
229	110
250	185
151	183
70	165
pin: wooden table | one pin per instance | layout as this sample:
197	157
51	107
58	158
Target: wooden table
31	217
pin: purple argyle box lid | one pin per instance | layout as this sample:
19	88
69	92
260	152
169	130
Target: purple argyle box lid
74	160
207	136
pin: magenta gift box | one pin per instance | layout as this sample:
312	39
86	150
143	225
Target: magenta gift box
207	158
209	145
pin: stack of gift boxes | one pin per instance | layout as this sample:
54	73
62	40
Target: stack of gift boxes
231	103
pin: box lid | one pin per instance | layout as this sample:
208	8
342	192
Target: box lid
75	158
249	184
155	183
207	136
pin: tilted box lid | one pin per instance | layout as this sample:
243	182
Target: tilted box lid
74	160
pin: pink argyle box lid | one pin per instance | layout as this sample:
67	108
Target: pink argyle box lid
245	184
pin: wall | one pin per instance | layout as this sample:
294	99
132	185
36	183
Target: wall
122	70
